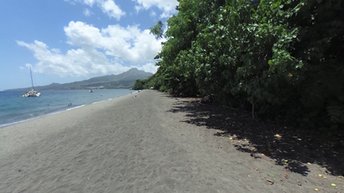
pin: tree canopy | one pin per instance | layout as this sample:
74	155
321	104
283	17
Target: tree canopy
282	57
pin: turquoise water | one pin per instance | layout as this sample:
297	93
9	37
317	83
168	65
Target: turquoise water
14	107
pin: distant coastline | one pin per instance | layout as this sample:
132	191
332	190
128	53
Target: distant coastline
124	80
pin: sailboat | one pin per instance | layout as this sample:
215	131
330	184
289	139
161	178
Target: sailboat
32	92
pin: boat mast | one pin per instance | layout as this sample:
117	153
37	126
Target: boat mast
31	79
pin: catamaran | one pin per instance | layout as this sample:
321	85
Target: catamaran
32	92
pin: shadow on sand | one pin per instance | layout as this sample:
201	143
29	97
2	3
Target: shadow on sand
292	148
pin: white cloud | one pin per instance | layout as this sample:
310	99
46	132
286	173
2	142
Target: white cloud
89	2
111	8
138	8
130	43
28	65
108	7
152	14
168	7
75	62
87	12
149	67
110	50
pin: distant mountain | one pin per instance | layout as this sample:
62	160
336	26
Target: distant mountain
123	80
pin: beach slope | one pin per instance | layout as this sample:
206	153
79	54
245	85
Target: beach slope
133	144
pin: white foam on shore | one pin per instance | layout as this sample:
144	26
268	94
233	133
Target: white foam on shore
76	107
39	116
16	122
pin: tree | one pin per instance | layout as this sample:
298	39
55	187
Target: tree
282	59
157	30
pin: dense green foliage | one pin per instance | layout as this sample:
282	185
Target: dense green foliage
139	85
280	57
157	30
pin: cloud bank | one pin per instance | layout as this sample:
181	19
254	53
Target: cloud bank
95	51
109	7
168	7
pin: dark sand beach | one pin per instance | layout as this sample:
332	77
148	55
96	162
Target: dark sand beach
139	143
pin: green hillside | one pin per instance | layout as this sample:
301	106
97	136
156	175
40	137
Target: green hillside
123	80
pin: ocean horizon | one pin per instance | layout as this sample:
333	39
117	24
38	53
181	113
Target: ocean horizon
14	108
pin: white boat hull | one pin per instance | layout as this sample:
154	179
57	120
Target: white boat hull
32	93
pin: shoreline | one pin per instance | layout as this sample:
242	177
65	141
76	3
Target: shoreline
60	111
17	136
41	116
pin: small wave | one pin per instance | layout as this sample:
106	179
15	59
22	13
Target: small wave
13	123
76	107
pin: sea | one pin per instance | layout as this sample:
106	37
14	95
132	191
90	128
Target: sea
14	108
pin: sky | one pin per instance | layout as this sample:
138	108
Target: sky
69	40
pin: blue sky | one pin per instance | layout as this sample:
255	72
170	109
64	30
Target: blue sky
68	40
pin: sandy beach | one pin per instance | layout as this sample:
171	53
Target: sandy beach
137	143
